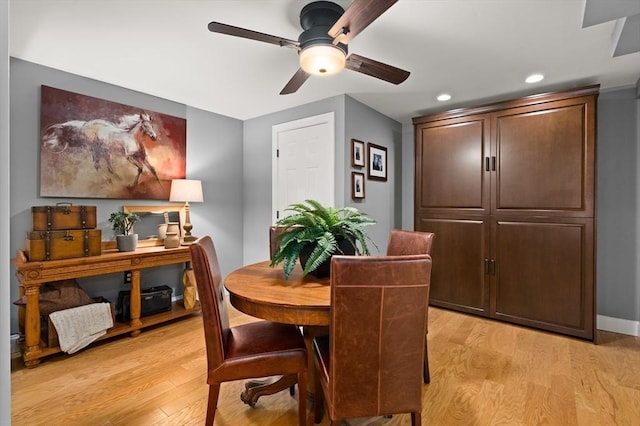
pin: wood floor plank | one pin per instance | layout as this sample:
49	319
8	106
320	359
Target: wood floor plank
483	372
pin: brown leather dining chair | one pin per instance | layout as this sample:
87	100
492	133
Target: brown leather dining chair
403	242
371	363
274	234
253	350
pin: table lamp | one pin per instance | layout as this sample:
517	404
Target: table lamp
186	190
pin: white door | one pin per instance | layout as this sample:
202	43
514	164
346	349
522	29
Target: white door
303	162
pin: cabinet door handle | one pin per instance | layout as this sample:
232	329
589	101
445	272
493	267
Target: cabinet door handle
486	164
489	267
493	163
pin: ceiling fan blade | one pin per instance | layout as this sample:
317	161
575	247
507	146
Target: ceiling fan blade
296	81
217	27
376	69
357	17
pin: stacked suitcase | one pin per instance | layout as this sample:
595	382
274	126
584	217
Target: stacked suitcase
63	231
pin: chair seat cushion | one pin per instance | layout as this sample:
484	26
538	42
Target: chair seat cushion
263	337
261	349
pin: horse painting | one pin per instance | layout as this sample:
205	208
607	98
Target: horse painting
103	139
95	148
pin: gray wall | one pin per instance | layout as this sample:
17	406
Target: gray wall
5	253
352	120
214	155
382	199
618	203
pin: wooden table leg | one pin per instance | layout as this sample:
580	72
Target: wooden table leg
32	327
309	333
135	303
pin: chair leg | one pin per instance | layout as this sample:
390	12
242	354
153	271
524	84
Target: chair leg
302	398
212	405
426	377
318	402
416	419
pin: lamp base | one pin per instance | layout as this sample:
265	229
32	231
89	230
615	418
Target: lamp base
188	240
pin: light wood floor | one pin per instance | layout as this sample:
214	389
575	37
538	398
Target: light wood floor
482	373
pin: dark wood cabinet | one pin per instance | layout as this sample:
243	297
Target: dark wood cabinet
509	190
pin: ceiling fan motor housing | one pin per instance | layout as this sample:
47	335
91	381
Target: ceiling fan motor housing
316	19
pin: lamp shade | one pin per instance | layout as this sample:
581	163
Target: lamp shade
186	190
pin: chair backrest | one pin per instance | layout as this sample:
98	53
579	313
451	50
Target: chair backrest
215	315
378	318
403	242
274	233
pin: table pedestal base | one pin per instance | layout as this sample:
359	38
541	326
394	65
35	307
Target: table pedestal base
254	389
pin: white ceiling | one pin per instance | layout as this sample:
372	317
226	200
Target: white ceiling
477	50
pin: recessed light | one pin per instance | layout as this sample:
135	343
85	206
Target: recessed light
534	78
444	97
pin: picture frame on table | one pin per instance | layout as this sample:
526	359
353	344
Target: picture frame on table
377	156
357	153
357	185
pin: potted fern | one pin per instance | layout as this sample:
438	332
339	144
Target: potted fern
122	225
314	232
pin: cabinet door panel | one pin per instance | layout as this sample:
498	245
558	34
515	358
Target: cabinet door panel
543	157
450	165
544	274
458	252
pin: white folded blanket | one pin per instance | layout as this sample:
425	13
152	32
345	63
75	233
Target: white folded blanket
77	327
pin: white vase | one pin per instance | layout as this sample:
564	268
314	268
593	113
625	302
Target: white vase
162	231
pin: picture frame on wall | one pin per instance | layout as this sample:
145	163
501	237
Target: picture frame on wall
96	148
377	156
357	153
357	185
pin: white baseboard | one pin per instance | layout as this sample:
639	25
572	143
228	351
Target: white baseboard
618	325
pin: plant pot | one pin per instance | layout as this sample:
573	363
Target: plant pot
127	242
324	269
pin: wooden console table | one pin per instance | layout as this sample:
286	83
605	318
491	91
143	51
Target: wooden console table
31	275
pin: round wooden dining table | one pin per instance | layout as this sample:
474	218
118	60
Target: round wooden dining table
262	291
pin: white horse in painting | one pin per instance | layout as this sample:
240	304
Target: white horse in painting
104	138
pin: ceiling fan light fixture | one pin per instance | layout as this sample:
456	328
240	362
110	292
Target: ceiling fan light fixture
322	59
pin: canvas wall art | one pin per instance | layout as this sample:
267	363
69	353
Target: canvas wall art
94	148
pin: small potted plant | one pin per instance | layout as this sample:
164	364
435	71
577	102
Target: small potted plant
122	225
313	233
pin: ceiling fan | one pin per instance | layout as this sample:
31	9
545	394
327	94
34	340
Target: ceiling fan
322	46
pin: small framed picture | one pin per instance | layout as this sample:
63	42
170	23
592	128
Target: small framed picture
377	162
357	185
357	153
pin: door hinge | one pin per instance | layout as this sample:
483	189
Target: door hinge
277	153
277	214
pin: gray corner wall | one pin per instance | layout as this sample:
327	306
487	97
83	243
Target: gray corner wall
352	120
214	155
5	253
618	203
382	199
